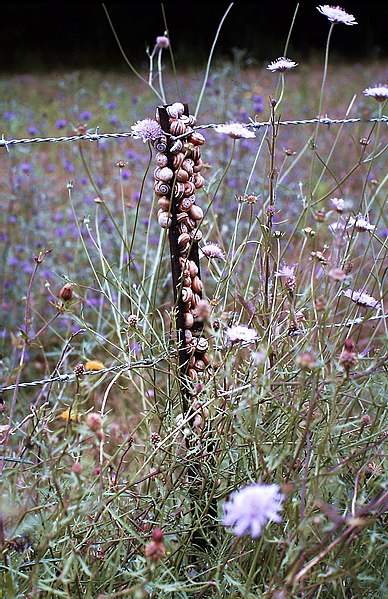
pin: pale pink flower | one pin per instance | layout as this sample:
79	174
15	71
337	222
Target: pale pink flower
147	130
162	41
361	299
234	130
338	204
240	332
288	272
212	250
378	92
336	14
360	224
282	64
252	507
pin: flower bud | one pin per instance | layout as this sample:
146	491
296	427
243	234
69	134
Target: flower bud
66	293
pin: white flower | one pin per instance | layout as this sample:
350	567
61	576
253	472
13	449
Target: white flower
282	64
240	332
147	130
337	228
212	250
286	271
361	298
338	204
252	507
337	14
360	224
379	92
234	130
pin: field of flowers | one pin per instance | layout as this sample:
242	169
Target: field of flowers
258	472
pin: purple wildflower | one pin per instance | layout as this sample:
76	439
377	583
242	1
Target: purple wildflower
240	332
335	14
252	507
61	123
361	299
212	250
147	130
378	92
282	64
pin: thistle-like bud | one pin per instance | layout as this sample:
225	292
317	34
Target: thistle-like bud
66	293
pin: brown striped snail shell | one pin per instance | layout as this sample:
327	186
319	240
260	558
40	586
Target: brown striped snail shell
196	212
161	188
164	174
161	159
197	138
202	345
182	175
160	144
188	165
187	281
178	159
184	249
186	295
191	360
193	268
164	220
175	110
188	320
196	284
189	188
206	359
177	127
198	181
176	147
183	239
188	336
196	299
199	365
181	217
179	190
164	203
196	235
198	166
191	224
196	153
193	374
185	204
189	120
183	228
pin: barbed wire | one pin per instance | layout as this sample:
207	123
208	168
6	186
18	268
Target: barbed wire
5	143
69	377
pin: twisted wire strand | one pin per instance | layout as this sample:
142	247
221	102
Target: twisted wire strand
254	124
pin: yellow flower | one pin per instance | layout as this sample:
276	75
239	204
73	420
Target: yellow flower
94	365
69	414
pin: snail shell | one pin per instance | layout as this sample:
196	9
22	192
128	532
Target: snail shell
200	365
178	159
160	144
193	268
164	203
195	301
189	188
197	138
161	188
188	336
193	374
196	235
184	249
191	360
175	110
196	284
206	359
187	281
161	159
188	320
202	345
183	239
177	127
189	120
198	166
196	212
164	174
181	217
176	147
188	165
179	190
185	204
183	228
196	153
186	295
164	220
198	181
191	224
182	175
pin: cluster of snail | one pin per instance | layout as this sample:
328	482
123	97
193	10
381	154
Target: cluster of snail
176	179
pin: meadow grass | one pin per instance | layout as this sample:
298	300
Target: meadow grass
109	487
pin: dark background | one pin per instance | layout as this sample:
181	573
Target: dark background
57	35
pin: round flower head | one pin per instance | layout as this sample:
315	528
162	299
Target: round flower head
147	130
336	14
251	508
162	41
360	224
282	64
212	250
378	92
234	130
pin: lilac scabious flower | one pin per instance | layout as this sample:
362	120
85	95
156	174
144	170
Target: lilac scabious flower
252	507
240	332
288	272
361	299
61	123
336	14
378	92
162	41
360	224
147	130
338	204
234	130
282	64
212	250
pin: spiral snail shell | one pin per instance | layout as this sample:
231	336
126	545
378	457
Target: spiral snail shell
164	203
186	294
198	181
164	174
185	204
160	144
196	284
196	212
188	165
161	188
188	320
202	345
175	110
198	166
164	220
183	239
197	138
161	159
176	147
182	175
177	127
179	190
189	188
